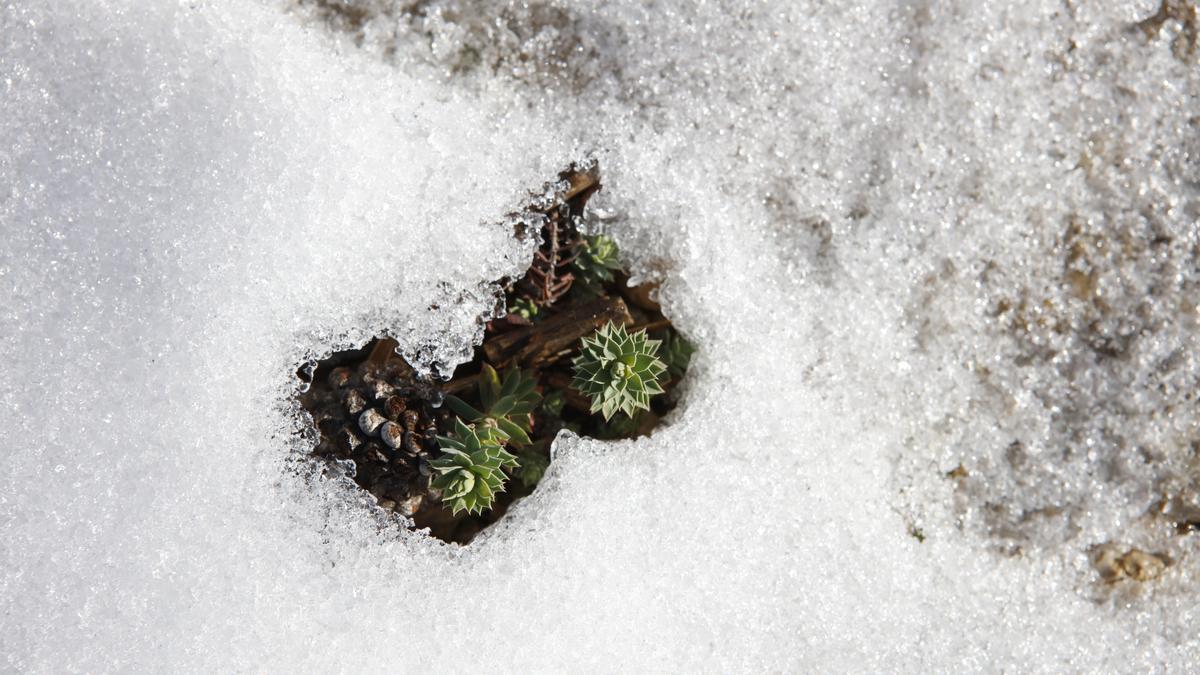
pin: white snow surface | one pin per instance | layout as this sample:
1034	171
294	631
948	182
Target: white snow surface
905	235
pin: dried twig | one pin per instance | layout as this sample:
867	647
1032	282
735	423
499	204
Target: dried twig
547	341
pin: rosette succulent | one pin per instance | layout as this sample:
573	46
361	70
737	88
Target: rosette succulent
594	265
534	462
506	404
618	370
470	472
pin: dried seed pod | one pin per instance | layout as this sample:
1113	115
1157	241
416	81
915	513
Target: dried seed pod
410	419
354	402
347	440
368	371
381	390
339	377
407	444
408	422
394	407
429	438
391	434
370	420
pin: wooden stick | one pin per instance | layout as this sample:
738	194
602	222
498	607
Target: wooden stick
652	326
579	181
383	351
551	339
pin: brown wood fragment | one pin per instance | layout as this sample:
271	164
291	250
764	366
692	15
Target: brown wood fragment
957	472
548	340
651	326
639	296
580	182
383	351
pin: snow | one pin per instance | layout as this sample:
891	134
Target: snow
905	236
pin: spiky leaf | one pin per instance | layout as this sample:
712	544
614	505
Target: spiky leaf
470	472
507	403
594	266
489	386
618	371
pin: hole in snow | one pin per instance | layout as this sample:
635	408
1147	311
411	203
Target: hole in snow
577	349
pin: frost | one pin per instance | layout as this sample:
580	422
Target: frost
939	259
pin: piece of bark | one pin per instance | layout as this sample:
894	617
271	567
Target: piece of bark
552	338
639	296
580	182
383	351
652	326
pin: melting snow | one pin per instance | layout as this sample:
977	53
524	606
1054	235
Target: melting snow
907	237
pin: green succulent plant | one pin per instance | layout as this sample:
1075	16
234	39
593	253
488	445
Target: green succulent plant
470	472
524	308
553	402
534	463
677	353
506	404
594	265
618	371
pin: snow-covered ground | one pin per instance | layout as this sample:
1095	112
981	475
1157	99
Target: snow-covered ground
907	236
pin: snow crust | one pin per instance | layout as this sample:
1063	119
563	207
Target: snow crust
906	236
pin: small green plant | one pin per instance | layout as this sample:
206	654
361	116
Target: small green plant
553	402
594	265
507	404
470	472
618	371
524	308
534	462
677	353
